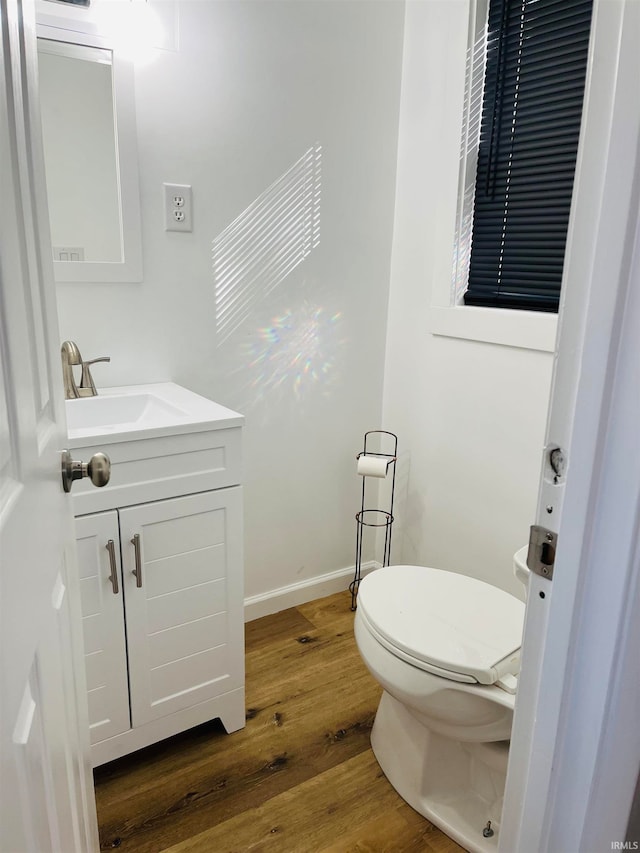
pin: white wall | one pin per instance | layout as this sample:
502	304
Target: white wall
470	414
253	86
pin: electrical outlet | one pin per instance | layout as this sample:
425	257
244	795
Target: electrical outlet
177	207
68	253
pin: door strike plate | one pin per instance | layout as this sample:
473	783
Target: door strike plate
541	555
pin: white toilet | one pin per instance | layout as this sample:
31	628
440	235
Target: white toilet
446	650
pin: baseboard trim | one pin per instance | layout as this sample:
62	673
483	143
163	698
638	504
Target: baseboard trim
275	600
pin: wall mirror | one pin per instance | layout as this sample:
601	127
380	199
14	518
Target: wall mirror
89	137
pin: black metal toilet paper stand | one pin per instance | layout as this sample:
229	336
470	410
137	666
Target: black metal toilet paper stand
376	518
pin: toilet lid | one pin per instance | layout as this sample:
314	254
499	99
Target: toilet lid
446	623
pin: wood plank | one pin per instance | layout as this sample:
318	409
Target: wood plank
282	746
302	766
262	633
334	611
301	818
399	830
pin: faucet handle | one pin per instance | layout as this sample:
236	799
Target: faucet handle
87	386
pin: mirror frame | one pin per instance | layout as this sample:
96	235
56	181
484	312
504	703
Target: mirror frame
130	268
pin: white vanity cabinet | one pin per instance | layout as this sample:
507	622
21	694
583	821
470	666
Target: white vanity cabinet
162	588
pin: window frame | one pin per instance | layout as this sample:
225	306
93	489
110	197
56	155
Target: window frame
448	315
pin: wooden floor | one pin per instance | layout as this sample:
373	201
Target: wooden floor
299	778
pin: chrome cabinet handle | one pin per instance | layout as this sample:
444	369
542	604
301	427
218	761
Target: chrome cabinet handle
138	569
98	469
113	577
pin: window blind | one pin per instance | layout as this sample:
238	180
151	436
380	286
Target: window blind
532	107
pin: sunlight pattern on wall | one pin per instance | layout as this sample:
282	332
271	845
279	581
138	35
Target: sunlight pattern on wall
269	239
295	352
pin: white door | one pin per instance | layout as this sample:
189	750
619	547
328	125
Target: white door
47	792
575	749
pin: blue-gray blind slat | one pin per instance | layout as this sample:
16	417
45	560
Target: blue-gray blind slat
531	113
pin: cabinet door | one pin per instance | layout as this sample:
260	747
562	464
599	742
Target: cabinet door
103	624
184	609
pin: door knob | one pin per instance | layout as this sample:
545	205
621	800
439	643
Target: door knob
98	469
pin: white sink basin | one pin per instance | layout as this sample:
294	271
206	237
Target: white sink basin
143	411
117	411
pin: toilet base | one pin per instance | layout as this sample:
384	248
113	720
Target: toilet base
457	786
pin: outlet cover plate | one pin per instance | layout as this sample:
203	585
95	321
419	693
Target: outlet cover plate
178	214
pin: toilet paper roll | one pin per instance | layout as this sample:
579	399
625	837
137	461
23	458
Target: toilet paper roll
372	466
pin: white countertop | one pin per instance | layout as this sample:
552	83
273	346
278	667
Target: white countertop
132	412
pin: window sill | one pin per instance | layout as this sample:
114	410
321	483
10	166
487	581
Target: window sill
523	329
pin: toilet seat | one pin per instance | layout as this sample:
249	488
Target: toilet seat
448	624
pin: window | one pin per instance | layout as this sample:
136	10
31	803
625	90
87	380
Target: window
536	60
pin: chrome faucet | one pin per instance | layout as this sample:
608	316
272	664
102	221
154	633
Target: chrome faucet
70	355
